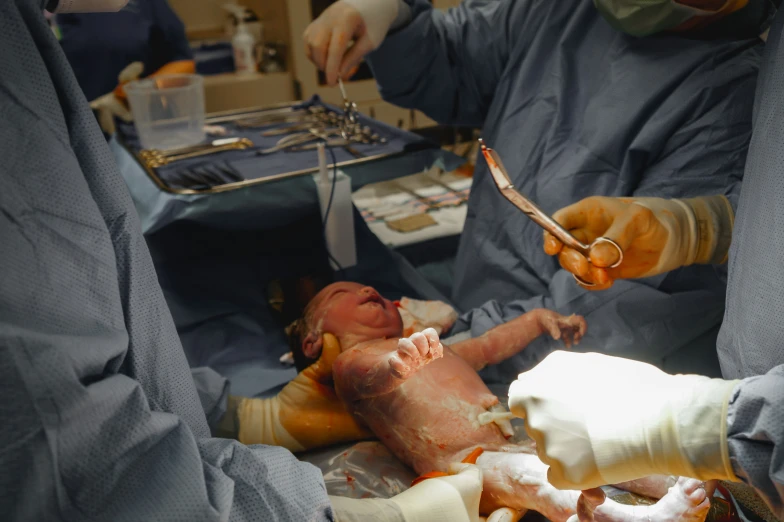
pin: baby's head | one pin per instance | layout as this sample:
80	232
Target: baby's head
351	312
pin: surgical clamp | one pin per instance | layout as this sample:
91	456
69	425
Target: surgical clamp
507	189
291	129
155	159
339	142
312	114
166	153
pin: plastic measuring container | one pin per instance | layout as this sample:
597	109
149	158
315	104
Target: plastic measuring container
168	110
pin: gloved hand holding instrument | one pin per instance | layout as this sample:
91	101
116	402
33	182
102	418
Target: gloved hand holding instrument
642	236
529	208
339	39
600	239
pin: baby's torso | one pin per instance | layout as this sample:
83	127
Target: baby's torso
431	419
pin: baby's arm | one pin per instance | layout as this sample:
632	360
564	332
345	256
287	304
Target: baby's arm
510	338
378	367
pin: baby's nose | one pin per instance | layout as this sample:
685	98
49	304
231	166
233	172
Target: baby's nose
369	291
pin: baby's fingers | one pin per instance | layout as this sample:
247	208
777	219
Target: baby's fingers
397	367
408	349
436	349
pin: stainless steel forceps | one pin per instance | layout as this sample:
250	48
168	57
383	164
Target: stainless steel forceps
529	208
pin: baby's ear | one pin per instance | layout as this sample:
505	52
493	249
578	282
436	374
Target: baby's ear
312	345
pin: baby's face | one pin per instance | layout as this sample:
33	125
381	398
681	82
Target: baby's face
356	310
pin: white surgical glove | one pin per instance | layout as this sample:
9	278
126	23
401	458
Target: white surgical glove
601	420
444	499
110	105
328	38
378	16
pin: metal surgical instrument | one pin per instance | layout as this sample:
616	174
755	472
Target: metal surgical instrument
338	142
350	120
293	140
529	208
154	158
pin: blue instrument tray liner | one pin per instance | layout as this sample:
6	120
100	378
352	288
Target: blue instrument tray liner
273	190
235	169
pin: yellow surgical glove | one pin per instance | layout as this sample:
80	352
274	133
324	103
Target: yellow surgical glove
306	414
454	498
656	235
601	420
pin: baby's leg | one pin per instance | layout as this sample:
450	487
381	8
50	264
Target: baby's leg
510	338
686	501
519	481
379	367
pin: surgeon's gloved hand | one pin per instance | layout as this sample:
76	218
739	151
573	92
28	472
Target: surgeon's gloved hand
107	108
306	414
601	420
134	72
454	498
363	22
656	235
111	105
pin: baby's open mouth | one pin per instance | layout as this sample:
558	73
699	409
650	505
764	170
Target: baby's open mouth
377	299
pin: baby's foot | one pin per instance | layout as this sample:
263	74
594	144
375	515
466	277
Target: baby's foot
686	501
569	329
415	352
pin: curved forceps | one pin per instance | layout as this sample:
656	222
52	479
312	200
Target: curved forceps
529	208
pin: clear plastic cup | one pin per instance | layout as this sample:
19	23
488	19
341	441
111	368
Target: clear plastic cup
168	110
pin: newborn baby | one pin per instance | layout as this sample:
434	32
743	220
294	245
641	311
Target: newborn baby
424	401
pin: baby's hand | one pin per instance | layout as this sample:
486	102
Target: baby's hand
415	352
569	329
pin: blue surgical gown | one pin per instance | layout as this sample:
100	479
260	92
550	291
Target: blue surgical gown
100	418
751	341
576	109
100	45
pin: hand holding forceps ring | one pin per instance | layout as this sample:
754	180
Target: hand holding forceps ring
529	208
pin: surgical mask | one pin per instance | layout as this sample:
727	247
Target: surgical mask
645	17
85	6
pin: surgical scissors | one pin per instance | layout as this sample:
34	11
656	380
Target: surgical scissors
535	214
